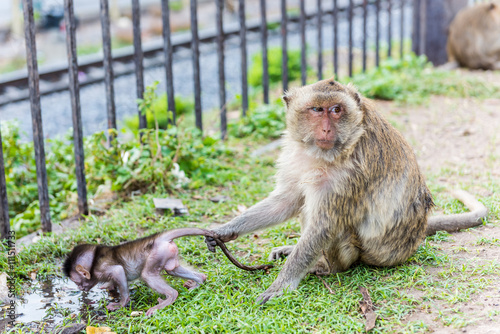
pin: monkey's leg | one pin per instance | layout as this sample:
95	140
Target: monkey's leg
341	254
157	283
189	274
284	251
279	252
304	255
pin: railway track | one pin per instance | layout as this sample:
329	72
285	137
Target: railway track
53	79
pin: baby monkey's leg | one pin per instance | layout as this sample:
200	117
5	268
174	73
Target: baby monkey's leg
157	283
194	278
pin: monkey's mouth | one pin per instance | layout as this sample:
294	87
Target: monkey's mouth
325	144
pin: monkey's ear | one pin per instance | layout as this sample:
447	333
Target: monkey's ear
82	271
492	6
354	92
357	97
287	98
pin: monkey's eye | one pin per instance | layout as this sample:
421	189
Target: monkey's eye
317	109
336	109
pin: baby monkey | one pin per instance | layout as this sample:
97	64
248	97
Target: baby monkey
144	258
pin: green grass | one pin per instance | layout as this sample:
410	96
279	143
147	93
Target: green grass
412	80
437	279
226	302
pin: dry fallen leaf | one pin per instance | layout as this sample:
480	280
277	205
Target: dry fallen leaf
241	208
367	308
99	330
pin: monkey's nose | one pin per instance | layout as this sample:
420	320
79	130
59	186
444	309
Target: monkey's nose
327	131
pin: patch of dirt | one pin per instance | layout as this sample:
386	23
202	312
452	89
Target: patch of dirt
480	314
451	133
458	134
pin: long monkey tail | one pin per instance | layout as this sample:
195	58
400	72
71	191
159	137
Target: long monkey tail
191	231
455	222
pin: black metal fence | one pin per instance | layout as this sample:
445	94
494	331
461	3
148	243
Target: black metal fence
325	10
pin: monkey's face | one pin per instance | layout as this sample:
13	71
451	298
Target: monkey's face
77	266
323	119
326	117
82	282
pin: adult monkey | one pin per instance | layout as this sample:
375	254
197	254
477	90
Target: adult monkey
356	184
474	37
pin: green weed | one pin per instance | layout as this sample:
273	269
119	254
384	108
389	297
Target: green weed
274	56
412	80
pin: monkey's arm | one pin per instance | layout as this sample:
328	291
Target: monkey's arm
119	279
304	255
282	204
453	223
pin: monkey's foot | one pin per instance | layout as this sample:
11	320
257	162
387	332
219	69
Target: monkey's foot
279	252
162	303
321	269
151	311
113	306
190	284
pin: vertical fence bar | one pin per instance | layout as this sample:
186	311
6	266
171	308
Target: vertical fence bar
284	49
401	29
168	51
377	32
320	40
265	64
36	116
138	57
4	204
335	40
243	49
303	64
108	67
416	31
195	47
389	28
74	90
351	5
222	79
365	17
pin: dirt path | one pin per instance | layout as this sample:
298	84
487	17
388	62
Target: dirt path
457	142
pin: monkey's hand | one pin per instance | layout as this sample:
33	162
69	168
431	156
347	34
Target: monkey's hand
211	243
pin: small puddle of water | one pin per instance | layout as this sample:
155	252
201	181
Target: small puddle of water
49	300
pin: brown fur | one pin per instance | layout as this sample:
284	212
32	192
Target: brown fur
146	259
474	37
353	179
